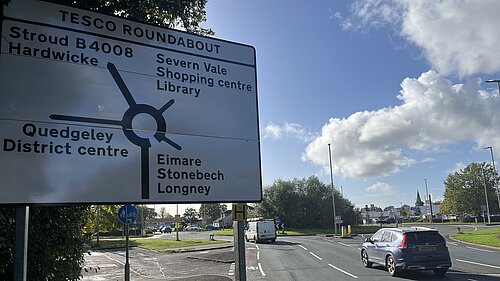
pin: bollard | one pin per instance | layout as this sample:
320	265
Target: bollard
349	229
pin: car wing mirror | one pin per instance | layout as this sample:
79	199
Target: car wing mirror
368	240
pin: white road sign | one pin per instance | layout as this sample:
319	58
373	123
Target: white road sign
98	109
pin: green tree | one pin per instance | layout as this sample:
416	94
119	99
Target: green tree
55	245
163	212
190	216
464	190
418	213
212	211
108	218
185	14
305	203
405	211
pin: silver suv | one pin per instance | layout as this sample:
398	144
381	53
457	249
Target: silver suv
413	248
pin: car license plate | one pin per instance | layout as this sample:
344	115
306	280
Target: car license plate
427	249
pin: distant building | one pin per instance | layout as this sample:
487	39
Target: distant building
225	221
425	211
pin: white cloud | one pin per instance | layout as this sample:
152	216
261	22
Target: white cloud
457	37
433	113
294	130
380	188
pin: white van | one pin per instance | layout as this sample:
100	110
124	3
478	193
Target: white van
260	230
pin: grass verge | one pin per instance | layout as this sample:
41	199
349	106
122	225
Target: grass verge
488	237
153	244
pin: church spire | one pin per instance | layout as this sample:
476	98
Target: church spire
419	201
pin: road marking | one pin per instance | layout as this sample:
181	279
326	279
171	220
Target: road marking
258	255
453	243
484	250
343	271
470	279
261	271
303	247
257	247
231	270
123	264
315	256
205	252
344	244
476	263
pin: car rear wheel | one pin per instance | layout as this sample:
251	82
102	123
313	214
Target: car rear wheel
440	271
364	259
391	266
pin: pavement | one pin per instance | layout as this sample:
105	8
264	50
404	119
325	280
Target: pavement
99	266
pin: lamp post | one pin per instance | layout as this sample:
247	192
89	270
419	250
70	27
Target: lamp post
430	203
333	190
486	197
494	81
494	169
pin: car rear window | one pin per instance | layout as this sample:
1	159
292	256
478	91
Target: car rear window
430	237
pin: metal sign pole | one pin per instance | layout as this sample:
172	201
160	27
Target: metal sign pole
21	243
239	251
127	264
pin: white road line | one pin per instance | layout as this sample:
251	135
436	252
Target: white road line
343	244
315	256
343	271
123	264
482	264
470	279
257	246
231	270
303	247
261	271
484	250
258	255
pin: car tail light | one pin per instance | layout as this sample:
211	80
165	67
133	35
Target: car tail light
403	244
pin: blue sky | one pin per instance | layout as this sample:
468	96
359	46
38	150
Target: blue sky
397	87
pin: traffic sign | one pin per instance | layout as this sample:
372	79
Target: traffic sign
128	214
239	212
97	108
277	220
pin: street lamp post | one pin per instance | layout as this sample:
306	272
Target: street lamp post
494	170
486	197
430	203
333	190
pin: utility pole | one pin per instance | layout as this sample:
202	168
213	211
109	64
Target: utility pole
430	203
486	196
333	190
494	172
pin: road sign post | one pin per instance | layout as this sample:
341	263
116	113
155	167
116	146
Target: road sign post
127	214
239	212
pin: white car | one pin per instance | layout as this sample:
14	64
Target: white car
191	227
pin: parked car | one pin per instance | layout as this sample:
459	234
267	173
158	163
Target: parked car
211	227
167	229
191	227
415	248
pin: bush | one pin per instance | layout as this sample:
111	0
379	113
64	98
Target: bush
56	243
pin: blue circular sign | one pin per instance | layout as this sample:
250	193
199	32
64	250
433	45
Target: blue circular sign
128	214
